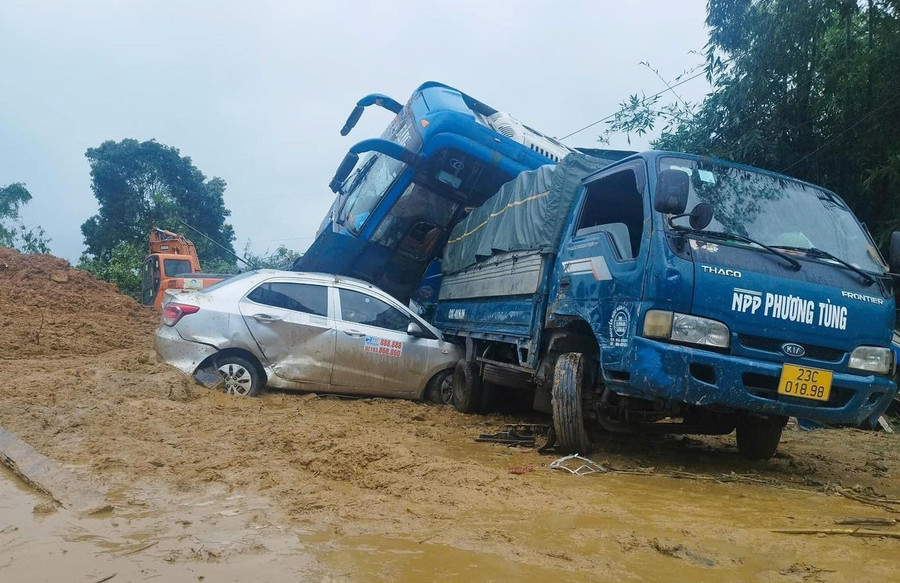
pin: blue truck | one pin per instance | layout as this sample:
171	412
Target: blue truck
668	292
659	291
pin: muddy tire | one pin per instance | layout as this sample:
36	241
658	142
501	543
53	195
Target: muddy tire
467	387
757	439
239	376
568	417
440	388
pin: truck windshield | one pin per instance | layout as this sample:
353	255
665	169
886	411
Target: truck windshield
776	211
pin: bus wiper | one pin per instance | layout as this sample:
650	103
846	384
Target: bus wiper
722	236
822	254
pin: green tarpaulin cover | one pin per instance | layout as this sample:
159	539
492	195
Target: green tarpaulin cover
528	213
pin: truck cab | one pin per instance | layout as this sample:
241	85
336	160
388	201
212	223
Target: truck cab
679	288
171	263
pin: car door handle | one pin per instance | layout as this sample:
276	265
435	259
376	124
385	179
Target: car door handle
265	318
353	333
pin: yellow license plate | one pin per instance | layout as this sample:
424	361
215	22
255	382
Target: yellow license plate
802	381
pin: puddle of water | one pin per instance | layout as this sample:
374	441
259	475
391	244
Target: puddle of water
184	540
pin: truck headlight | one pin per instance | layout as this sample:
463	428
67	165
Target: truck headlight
686	328
872	359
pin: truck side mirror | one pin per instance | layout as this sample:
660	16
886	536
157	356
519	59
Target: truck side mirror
672	188
894	252
701	215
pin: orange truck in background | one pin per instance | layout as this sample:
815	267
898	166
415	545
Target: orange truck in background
172	263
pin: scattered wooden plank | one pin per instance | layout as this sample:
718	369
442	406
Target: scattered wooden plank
49	477
844	531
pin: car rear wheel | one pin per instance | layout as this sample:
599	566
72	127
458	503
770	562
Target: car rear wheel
239	375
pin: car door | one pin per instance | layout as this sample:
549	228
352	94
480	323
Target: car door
290	324
373	353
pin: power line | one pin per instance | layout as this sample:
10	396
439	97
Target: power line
667	89
844	131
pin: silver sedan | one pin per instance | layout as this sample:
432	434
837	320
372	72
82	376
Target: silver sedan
304	331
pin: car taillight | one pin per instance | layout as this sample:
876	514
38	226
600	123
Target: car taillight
174	312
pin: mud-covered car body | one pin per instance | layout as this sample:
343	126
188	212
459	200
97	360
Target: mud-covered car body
305	331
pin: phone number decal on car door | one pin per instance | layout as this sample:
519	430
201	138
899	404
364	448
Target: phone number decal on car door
385	346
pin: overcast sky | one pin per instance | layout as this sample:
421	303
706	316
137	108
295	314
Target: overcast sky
256	92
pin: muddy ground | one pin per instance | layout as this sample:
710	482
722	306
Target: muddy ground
302	487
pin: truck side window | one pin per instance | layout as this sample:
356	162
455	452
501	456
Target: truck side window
361	308
299	297
614	205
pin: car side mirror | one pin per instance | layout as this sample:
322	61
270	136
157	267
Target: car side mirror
413	329
672	188
894	252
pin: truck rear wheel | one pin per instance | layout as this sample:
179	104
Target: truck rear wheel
467	386
568	417
757	438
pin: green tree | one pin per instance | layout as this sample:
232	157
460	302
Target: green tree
13	233
139	185
281	258
123	267
804	87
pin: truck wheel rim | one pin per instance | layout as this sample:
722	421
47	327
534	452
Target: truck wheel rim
237	379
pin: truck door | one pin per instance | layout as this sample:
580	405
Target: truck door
373	353
601	265
150	278
290	324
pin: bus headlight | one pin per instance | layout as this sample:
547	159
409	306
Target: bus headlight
685	328
872	359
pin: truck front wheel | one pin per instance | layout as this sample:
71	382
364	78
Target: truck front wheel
467	386
757	438
568	418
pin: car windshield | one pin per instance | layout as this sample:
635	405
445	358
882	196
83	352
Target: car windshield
776	211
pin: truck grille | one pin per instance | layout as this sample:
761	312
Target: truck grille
774	346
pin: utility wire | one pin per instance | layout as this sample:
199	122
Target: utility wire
844	131
216	243
667	89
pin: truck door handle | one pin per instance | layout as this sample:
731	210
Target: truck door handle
265	318
353	333
564	283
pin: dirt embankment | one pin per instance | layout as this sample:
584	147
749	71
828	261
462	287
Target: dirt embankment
49	308
395	490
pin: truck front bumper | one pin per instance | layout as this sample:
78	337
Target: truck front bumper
701	377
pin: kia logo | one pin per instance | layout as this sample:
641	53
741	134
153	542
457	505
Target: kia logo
792	349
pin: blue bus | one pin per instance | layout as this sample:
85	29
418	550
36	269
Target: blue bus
399	195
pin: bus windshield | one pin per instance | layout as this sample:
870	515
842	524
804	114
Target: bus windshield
376	172
776	211
367	187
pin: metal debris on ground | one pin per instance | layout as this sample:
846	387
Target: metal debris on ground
515	434
587	466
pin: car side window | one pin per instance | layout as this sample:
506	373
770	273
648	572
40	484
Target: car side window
361	308
300	297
